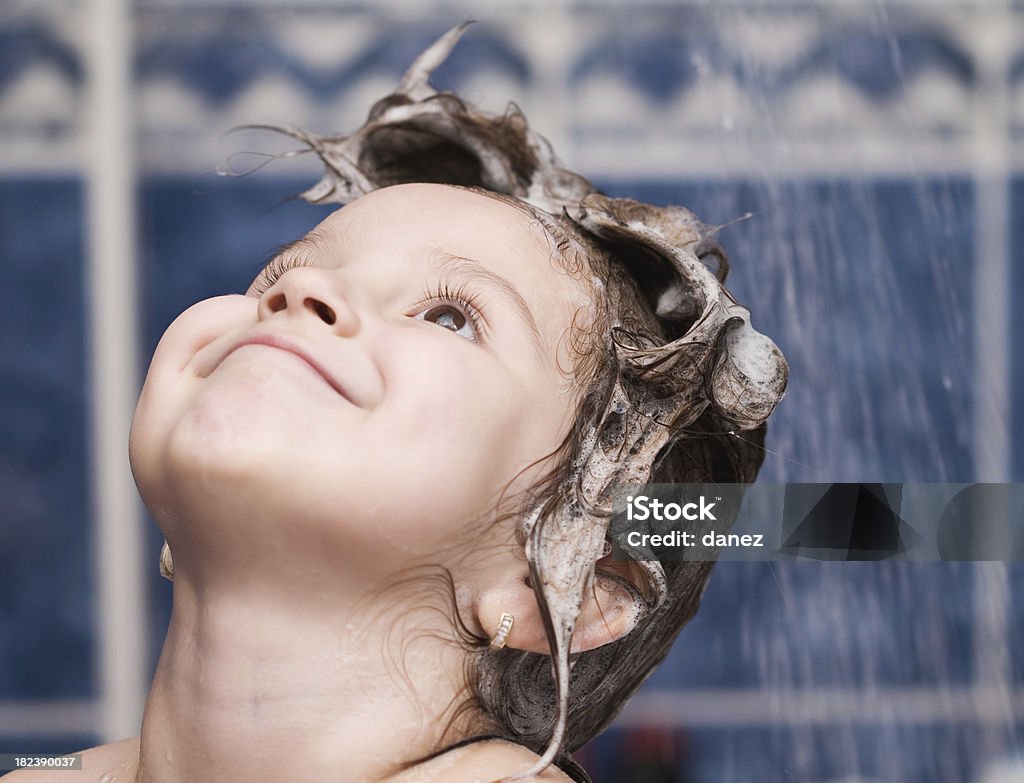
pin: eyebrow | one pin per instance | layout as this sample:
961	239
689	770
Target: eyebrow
449	263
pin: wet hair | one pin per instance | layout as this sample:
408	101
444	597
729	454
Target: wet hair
677	386
514	688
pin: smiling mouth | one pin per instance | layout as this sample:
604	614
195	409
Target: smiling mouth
284	345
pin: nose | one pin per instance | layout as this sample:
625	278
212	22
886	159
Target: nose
308	292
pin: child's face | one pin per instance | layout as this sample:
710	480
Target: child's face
382	394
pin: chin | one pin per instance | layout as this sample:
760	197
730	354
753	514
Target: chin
191	468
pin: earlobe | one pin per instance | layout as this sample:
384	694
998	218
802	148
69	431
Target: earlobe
515	598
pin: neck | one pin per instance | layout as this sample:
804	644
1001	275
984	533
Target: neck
263	684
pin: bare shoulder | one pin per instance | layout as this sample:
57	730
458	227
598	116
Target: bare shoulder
117	760
481	762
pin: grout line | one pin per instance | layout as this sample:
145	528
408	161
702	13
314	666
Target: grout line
993	36
822	706
679	709
48	718
480	6
993	50
113	351
655	156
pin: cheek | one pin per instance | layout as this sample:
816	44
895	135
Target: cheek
459	389
140	446
171	387
153	417
448	402
462	419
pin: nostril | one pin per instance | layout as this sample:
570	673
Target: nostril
325	313
277	303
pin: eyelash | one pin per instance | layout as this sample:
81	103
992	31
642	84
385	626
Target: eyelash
272	272
443	293
460	295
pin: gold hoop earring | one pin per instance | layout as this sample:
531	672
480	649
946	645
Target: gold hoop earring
504	628
166	564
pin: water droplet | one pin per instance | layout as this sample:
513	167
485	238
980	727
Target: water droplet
947	382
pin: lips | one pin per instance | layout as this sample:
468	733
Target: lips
284	344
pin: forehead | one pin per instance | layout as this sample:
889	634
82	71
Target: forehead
442	212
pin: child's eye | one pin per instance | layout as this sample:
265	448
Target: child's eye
451	317
455	310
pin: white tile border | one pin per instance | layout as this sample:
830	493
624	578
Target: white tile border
25	719
821	706
113	332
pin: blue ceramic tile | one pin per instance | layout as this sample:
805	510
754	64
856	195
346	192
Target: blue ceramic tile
867	288
1015	622
217	61
1016	72
666	51
45	590
29	43
894	752
229	50
798	754
853	625
659	63
881	62
647	755
199	241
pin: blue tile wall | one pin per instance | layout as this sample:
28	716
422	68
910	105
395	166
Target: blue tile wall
664	51
887	752
233	48
867	288
890	752
865	281
788	753
46	591
202	238
26	42
831	625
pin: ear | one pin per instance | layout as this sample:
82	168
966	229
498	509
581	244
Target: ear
613	605
610	609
